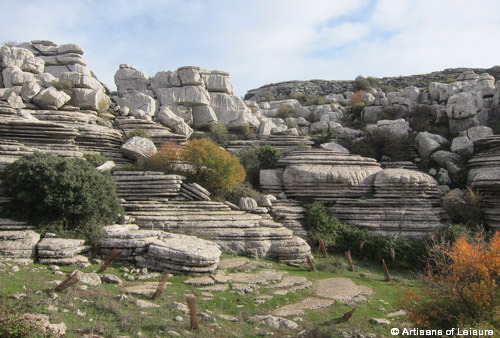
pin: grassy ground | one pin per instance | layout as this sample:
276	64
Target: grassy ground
107	316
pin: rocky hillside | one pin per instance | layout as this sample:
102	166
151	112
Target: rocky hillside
393	146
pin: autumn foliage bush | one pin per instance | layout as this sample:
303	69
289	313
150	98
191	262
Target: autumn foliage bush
165	159
460	285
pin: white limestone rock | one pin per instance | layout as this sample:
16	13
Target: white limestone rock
15	101
167	118
13	77
90	99
218	81
187	95
21	58
426	143
137	148
51	98
463	146
274	322
442	157
334	147
70	59
70	48
29	90
479	133
396	128
464	104
189	76
128	78
232	111
203	117
138	104
79	80
247	204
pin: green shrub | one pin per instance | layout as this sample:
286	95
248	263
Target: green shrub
320	224
249	132
268	96
452	232
242	190
12	323
314	100
95	159
361	83
325	136
212	167
285	111
65	195
256	159
138	132
219	134
102	106
360	148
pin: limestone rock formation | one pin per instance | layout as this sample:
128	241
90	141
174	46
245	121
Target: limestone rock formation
20	245
61	251
484	176
137	148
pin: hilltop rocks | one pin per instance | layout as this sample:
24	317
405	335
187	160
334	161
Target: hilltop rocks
127	78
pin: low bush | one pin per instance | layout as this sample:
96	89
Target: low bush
357	104
459	286
360	147
285	111
325	136
313	100
166	159
248	132
240	190
339	237
138	132
95	159
63	195
212	167
219	134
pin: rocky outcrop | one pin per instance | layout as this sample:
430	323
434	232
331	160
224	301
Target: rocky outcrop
326	175
156	132
484	177
62	251
190	95
149	185
291	214
19	245
404	202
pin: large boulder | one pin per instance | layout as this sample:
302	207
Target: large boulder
232	111
29	90
464	104
218	81
128	78
463	146
137	148
13	77
187	95
203	117
90	99
167	118
21	58
79	80
139	104
426	143
478	133
165	80
189	76
51	98
398	129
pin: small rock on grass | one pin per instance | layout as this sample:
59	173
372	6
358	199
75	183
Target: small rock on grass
378	321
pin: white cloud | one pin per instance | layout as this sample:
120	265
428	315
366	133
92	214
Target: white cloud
265	41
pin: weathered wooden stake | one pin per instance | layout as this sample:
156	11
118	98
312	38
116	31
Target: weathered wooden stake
310	263
191	300
323	249
71	280
111	257
161	285
348	315
386	271
361	246
349	259
393	257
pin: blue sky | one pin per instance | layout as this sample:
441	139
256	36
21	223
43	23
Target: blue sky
264	41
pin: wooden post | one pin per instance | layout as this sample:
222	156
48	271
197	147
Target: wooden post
393	257
323	249
71	280
348	315
161	285
191	300
361	246
349	259
310	263
386	271
111	257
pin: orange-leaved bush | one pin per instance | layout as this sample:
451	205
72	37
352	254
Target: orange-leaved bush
460	285
212	167
165	159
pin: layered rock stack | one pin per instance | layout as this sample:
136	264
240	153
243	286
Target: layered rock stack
149	185
189	96
181	254
327	175
484	177
284	143
62	251
19	245
128	239
291	214
404	202
159	134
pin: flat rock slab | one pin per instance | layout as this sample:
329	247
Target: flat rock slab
289	281
147	288
342	289
200	281
241	264
217	287
145	304
265	277
297	309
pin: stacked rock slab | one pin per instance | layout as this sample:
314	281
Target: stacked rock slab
291	214
181	254
234	231
159	134
405	202
62	251
326	175
128	239
284	143
147	185
19	245
484	176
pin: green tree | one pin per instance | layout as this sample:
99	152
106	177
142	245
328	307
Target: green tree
65	195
